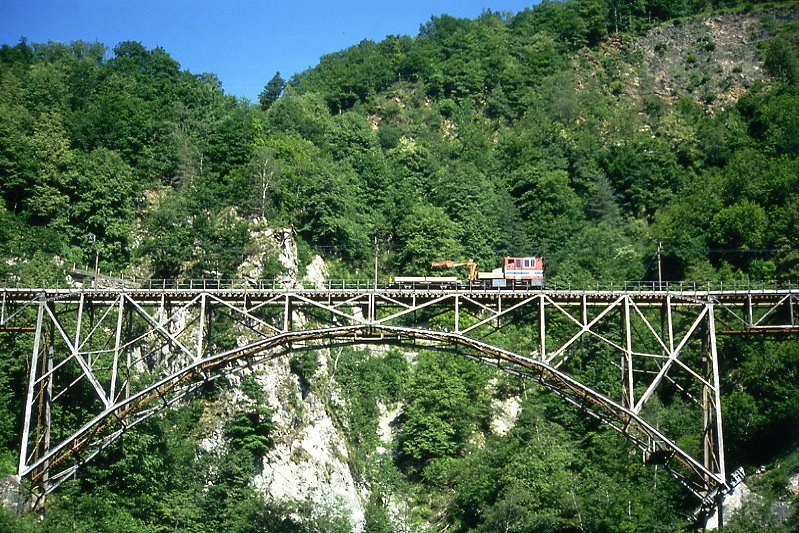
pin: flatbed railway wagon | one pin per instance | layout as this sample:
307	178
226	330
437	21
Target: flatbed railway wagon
425	282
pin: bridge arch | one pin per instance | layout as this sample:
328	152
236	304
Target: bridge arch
62	460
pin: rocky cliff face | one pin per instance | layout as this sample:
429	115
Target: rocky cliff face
270	242
712	59
11	494
309	459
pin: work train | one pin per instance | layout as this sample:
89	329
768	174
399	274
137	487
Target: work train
515	273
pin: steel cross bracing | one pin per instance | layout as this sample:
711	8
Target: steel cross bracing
104	360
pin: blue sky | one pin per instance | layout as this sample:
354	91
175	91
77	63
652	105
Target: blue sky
244	42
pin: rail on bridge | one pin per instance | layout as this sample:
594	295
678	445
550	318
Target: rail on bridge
124	354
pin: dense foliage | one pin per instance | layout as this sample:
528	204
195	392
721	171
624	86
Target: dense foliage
539	133
475	139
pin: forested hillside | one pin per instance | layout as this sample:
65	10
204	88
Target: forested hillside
586	131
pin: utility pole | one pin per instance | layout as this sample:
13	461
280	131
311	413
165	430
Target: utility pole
663	309
376	251
96	260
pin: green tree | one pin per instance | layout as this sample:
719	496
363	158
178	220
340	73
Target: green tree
780	59
520	482
262	179
756	515
169	235
426	234
763	407
444	400
103	207
595	15
782	118
251	430
742	225
549	205
305	114
48	199
272	91
646	173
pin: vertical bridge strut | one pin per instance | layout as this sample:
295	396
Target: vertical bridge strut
104	360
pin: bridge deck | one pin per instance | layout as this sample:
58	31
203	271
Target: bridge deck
602	297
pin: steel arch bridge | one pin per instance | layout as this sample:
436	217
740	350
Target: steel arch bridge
125	354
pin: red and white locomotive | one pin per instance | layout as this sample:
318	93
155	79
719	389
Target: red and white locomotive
516	271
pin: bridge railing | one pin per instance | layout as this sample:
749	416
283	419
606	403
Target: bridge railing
671	286
369	284
260	284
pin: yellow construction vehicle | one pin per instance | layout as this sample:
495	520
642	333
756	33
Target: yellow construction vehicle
452	264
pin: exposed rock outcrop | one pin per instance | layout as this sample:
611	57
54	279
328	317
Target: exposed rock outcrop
11	494
309	460
713	59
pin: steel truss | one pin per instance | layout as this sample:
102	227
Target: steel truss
123	355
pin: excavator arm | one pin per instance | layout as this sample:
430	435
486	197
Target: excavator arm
452	264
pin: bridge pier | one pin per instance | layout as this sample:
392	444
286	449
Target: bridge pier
713	436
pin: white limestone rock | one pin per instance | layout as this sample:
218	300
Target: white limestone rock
270	241
731	504
316	272
309	460
386	421
792	489
506	411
